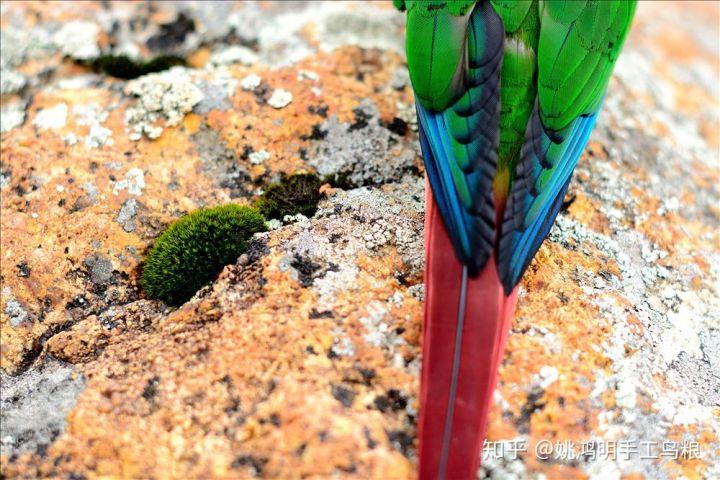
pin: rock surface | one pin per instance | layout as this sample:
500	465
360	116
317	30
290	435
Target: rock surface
302	359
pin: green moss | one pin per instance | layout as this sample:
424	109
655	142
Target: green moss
193	251
122	66
298	193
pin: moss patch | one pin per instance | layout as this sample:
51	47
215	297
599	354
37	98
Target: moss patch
122	66
298	193
193	251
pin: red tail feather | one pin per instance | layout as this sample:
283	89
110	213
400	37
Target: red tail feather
452	432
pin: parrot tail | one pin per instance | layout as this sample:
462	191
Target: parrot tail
466	324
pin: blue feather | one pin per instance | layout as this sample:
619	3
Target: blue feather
460	144
530	211
437	164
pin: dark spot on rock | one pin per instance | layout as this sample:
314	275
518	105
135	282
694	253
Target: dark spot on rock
393	400
343	395
256	464
371	442
314	313
301	449
567	202
108	322
45	307
532	404
124	67
172	34
319	110
274	420
303	154
247	150
41	449
262	93
317	133
80	204
401	441
151	389
272	385
310	349
78	302
306	269
352	468
361	119
368	374
256	250
24	269
5	174
398	126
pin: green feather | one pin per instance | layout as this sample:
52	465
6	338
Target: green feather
435	45
558	51
517	84
513	12
578	45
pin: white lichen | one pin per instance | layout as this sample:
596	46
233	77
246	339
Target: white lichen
78	39
280	98
12	117
162	97
93	115
546	376
231	55
51	118
11	81
250	83
134	182
257	158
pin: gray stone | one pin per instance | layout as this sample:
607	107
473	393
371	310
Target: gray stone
34	406
101	269
363	152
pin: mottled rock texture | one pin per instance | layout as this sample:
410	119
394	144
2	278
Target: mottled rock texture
302	358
